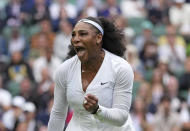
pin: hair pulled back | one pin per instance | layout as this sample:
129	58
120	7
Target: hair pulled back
113	39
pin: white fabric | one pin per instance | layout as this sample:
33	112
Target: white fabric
55	9
132	8
175	60
94	24
112	85
6	97
3	3
16	45
180	16
41	63
81	4
8	119
92	11
61	45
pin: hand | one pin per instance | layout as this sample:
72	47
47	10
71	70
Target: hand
91	103
17	112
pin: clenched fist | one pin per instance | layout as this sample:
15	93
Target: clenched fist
91	103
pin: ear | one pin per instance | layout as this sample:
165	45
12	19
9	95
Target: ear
99	38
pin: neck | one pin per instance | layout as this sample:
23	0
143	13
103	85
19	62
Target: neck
94	64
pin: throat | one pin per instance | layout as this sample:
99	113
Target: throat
89	71
93	65
87	77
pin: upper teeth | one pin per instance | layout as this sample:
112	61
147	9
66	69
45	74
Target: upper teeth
78	48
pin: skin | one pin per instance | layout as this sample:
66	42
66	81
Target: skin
187	65
87	43
166	106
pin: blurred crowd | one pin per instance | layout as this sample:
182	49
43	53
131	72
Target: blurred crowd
35	38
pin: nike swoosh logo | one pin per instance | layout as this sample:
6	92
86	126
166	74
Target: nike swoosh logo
103	83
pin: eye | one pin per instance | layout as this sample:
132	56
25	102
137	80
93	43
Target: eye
73	34
83	33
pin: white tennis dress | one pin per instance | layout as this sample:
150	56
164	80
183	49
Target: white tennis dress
112	85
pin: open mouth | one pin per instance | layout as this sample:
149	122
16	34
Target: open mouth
78	49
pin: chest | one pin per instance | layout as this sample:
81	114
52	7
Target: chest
87	78
101	87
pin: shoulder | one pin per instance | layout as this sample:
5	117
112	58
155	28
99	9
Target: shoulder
56	60
39	62
123	73
119	63
121	68
63	70
40	59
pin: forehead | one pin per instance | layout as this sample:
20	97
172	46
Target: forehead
83	26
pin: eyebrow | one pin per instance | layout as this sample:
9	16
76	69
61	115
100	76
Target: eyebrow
80	31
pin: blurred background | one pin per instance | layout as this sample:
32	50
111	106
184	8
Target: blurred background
34	39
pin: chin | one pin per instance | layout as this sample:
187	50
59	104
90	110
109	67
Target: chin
83	59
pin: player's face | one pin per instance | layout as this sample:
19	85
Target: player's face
85	41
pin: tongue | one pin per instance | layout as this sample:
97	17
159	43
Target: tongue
81	53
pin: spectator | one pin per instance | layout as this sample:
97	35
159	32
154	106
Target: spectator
3	46
39	11
90	8
13	12
146	35
55	9
62	40
22	126
144	92
133	8
45	28
49	61
139	115
3	3
28	90
43	115
82	3
18	69
16	42
132	57
149	56
157	11
111	8
172	47
6	98
122	24
165	119
46	82
12	117
179	14
157	90
184	81
163	66
29	112
39	42
172	88
3	53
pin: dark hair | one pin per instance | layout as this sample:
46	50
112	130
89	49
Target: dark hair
165	97
113	39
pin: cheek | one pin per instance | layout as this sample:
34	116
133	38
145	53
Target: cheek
92	50
93	46
72	41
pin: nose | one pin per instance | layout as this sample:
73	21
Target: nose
75	39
